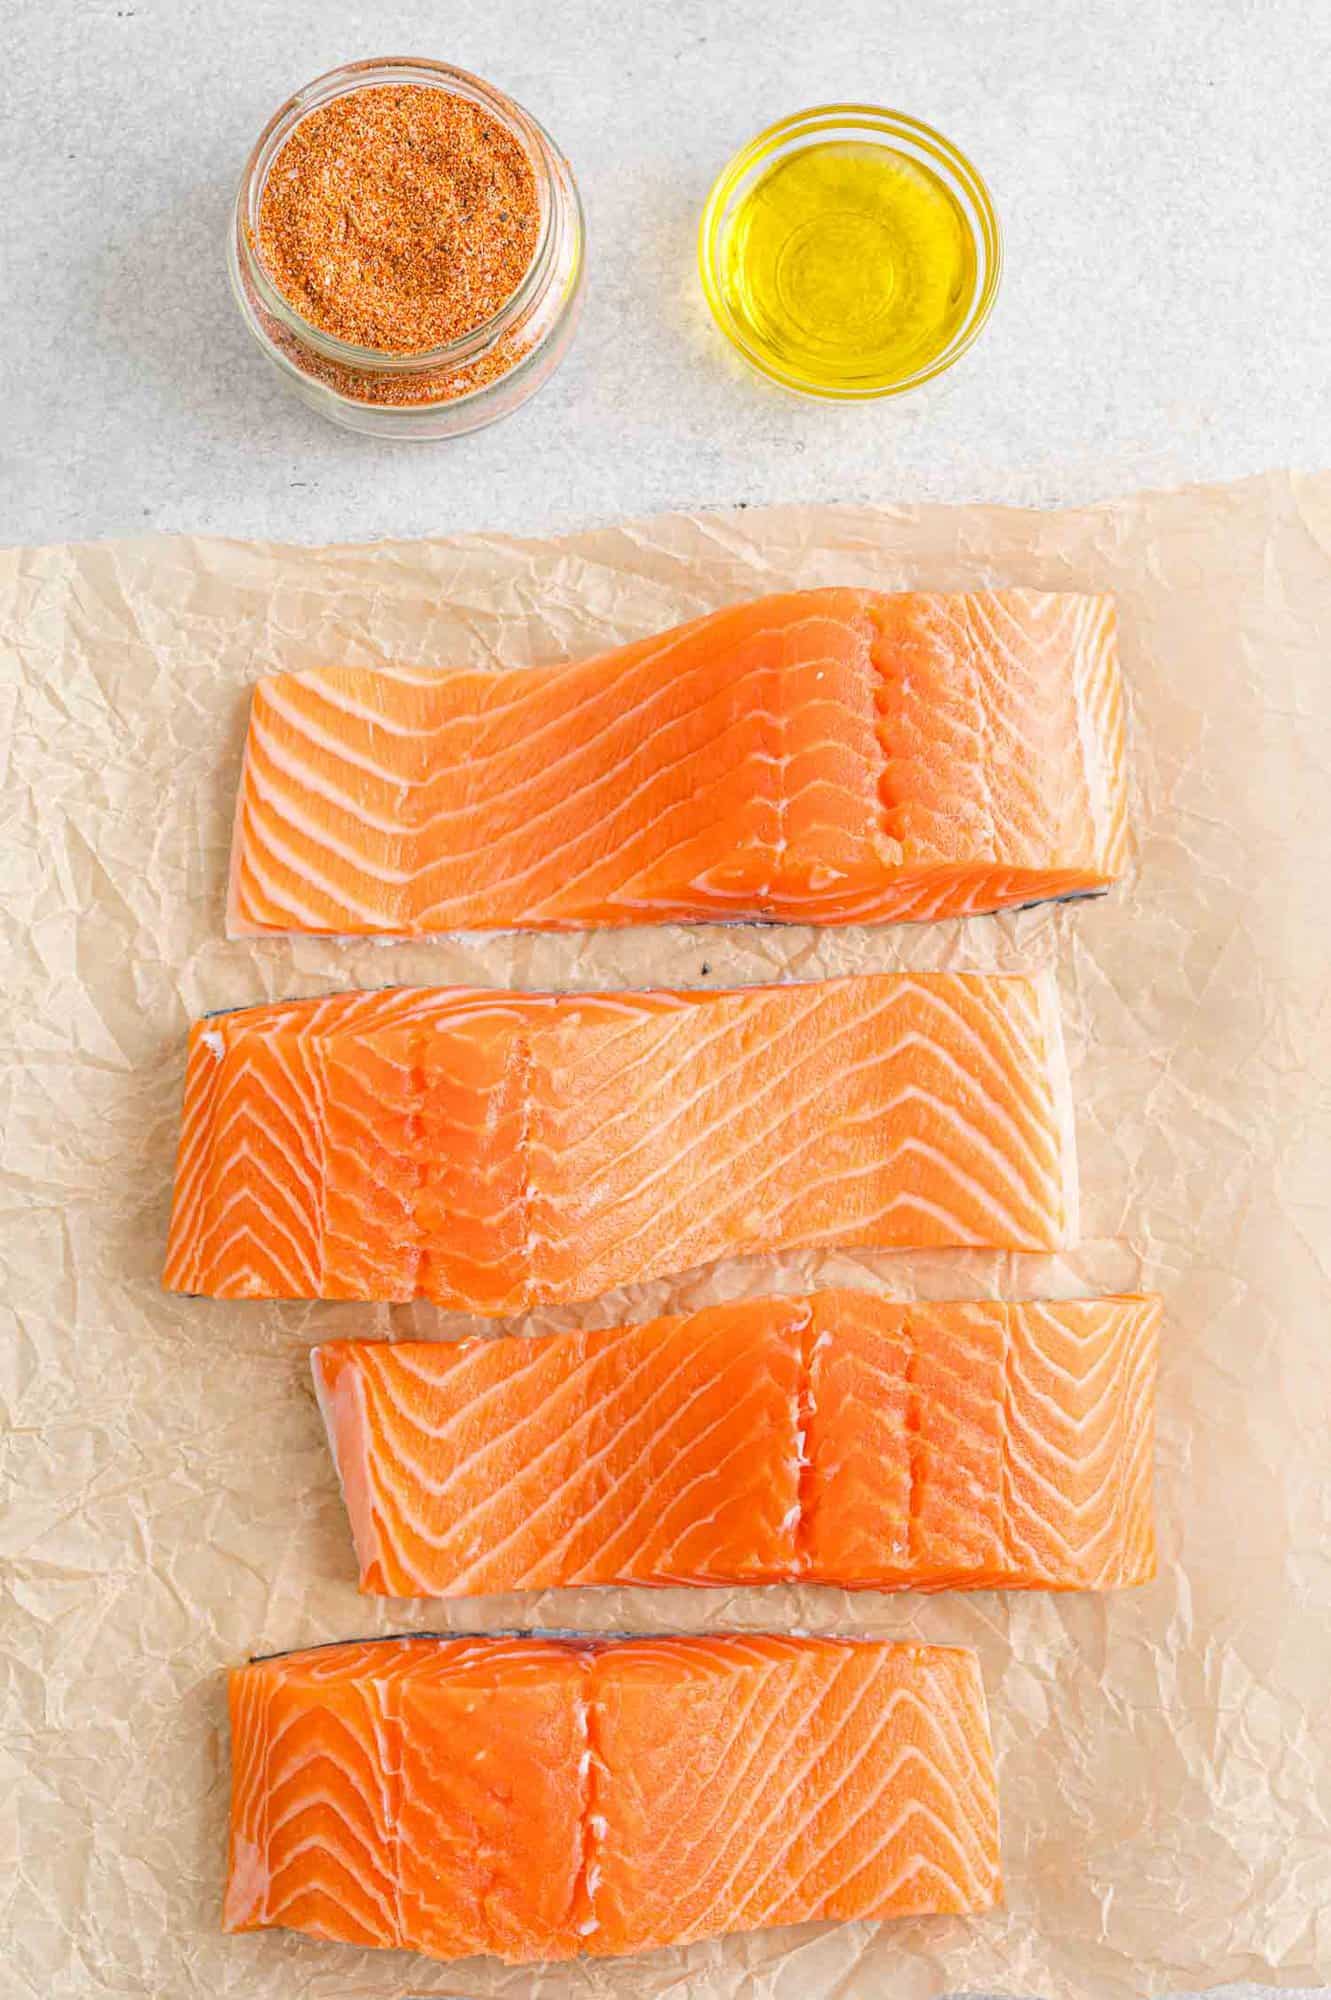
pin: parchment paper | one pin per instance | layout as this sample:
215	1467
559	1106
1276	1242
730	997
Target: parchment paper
169	1506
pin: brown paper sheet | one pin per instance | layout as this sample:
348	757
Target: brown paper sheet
169	1507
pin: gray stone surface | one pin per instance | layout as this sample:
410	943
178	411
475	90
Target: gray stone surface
1160	168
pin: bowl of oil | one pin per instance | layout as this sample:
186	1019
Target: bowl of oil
850	252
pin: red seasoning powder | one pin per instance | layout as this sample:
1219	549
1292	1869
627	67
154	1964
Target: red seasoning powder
399	218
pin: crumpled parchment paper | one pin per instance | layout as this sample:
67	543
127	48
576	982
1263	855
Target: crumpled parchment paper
169	1507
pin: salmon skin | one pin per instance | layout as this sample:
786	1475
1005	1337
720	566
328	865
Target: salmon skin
537	1798
837	1438
825	757
491	1151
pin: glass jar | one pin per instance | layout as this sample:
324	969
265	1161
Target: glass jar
443	391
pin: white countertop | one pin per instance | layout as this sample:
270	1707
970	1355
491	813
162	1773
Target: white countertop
1160	170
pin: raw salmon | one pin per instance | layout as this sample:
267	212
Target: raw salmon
827	757
535	1798
492	1151
838	1438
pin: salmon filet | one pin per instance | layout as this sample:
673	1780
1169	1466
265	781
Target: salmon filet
535	1798
491	1151
837	1438
824	757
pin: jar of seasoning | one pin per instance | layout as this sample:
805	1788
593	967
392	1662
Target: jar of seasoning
408	249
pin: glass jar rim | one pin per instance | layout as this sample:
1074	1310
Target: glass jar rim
886	124
378	72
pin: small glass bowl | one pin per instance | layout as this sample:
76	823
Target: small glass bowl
443	391
896	132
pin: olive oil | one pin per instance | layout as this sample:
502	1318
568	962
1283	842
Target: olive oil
849	264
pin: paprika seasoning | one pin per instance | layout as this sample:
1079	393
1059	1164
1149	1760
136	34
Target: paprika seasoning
408	248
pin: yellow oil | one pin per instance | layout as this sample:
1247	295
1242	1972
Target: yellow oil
849	264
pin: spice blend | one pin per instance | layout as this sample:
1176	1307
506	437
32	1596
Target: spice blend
399	217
